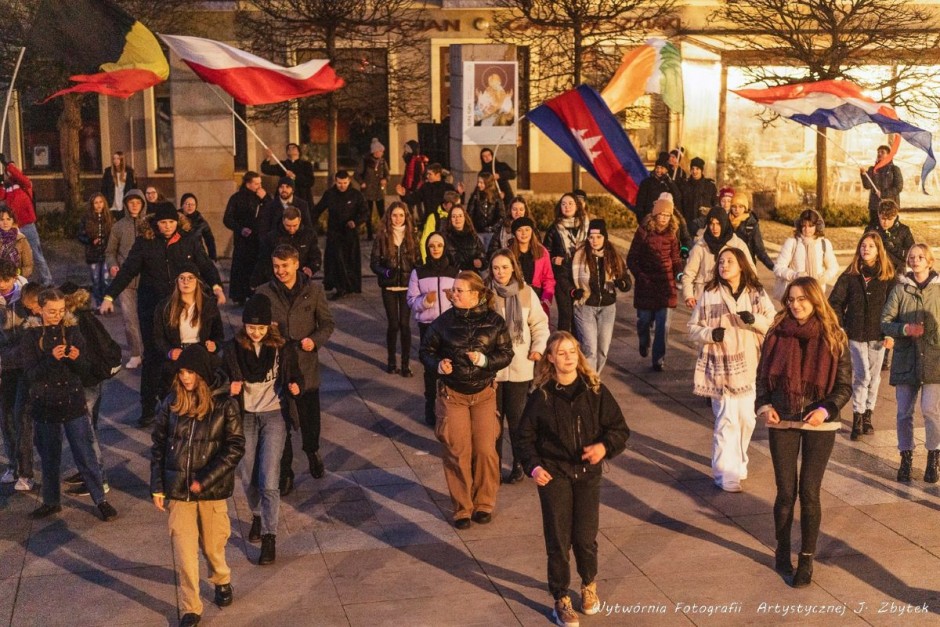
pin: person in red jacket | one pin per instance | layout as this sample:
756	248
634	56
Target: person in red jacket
17	193
654	261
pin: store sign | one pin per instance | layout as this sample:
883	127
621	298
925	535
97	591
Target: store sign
441	26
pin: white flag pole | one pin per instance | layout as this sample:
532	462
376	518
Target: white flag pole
6	107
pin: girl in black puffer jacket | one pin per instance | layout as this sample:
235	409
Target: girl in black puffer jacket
464	244
468	345
394	256
571	423
197	444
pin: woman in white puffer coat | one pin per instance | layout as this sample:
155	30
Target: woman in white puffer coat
807	253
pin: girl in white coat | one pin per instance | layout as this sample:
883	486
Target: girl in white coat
717	235
730	320
807	253
519	305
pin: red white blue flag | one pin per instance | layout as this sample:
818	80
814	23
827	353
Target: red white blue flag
582	125
842	105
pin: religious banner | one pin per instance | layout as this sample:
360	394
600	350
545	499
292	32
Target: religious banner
490	102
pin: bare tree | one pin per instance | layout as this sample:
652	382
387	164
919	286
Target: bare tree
814	40
576	41
371	44
44	72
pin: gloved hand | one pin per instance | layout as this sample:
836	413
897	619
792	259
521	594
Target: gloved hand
684	252
577	294
624	283
746	317
718	334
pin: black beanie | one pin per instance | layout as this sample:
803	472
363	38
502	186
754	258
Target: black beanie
286	180
597	224
663	159
521	222
196	358
164	211
257	310
697	162
188	266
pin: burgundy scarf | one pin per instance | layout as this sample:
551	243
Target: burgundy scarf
803	377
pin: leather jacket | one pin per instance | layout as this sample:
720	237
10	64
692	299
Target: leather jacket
208	450
458	331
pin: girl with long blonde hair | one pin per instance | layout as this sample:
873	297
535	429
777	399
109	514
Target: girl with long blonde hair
571	424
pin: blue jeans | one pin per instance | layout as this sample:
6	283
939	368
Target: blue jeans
929	405
260	468
595	328
39	262
645	318
84	447
866	374
100	280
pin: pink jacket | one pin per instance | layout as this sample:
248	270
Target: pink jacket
544	278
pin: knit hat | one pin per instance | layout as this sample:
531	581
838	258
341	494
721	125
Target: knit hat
188	266
257	310
663	159
376	145
740	198
286	180
165	211
518	223
725	191
663	204
196	358
697	162
597	225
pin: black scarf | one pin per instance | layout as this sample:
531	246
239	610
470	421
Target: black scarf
715	244
255	368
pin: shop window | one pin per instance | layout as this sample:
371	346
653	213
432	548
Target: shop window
41	137
164	126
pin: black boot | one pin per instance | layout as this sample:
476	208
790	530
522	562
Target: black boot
933	467
267	549
517	474
804	571
254	534
286	484
316	465
867	429
856	425
782	562
904	471
430	416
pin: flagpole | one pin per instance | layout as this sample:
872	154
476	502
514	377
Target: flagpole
248	128
6	107
846	153
497	145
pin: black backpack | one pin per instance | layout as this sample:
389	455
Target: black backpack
103	353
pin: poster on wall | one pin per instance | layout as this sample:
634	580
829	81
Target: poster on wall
490	102
40	156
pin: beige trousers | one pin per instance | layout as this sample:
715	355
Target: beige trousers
194	524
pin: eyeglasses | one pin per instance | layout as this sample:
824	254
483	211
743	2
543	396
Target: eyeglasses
185	278
799	300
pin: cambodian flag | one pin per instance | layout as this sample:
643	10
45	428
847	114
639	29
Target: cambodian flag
582	125
841	105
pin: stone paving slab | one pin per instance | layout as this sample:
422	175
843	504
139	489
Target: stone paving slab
372	544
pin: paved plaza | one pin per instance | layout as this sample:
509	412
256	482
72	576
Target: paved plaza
372	544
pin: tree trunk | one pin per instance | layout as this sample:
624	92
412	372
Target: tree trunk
822	172
70	126
722	160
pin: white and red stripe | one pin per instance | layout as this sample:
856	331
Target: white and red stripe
249	79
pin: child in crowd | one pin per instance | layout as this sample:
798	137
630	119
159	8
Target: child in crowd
14	247
94	233
896	237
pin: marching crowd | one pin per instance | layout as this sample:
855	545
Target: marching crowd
481	282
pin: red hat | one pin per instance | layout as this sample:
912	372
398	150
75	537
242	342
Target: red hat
726	191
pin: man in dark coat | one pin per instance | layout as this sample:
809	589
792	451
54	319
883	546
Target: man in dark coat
888	181
653	186
697	191
244	217
431	194
273	209
157	257
291	231
676	173
299	170
896	237
342	265
500	170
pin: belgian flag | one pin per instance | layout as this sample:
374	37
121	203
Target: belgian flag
106	50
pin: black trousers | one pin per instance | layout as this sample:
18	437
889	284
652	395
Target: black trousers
152	364
786	445
308	411
570	514
430	378
510	403
379	206
399	324
564	303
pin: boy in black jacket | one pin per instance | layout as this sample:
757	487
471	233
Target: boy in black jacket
896	237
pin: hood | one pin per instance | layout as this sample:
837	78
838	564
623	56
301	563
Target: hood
136	193
908	279
34	322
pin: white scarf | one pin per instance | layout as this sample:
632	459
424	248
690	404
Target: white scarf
398	234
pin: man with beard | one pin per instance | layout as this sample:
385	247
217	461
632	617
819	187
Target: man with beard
243	216
347	212
273	210
297	169
697	191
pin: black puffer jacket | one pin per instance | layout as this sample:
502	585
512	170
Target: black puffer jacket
55	385
207	450
157	260
897	239
749	232
858	305
555	429
202	231
458	331
392	267
465	247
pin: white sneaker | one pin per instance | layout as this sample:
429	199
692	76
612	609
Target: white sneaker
8	477
23	484
132	363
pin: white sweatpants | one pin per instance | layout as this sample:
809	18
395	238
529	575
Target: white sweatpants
734	425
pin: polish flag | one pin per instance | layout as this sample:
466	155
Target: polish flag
249	79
